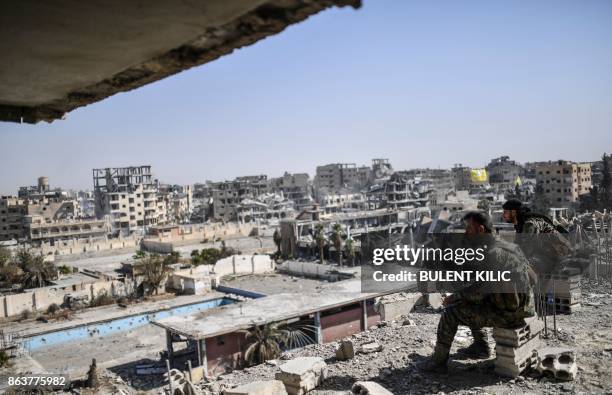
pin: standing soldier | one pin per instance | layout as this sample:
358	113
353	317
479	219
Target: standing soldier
508	308
542	242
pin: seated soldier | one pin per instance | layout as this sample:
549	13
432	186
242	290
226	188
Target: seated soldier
478	307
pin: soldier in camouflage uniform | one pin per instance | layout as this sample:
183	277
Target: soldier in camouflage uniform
477	307
540	240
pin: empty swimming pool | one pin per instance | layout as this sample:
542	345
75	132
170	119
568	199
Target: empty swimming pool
105	328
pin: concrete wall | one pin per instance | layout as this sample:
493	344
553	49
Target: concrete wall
188	234
74	247
224	353
160	247
41	298
15	304
309	269
243	264
336	325
191	284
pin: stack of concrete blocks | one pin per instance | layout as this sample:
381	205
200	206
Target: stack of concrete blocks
567	296
558	363
301	375
516	349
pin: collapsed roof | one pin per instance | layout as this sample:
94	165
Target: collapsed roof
61	55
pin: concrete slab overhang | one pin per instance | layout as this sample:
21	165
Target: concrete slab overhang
58	55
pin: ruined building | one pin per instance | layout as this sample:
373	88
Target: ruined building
295	187
42	190
503	170
46	219
341	201
12	211
336	176
227	195
399	190
562	182
265	207
129	195
440	182
469	179
179	202
381	169
402	191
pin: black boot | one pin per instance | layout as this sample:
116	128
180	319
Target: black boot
478	349
438	362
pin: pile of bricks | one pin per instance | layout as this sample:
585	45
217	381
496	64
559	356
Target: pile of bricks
516	349
561	292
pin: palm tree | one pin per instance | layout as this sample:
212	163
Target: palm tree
36	272
265	344
336	238
319	237
349	248
268	341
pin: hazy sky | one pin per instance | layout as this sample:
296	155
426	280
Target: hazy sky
423	83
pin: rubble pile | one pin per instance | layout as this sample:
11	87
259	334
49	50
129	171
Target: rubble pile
399	345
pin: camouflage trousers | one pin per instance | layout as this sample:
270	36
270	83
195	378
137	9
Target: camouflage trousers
474	316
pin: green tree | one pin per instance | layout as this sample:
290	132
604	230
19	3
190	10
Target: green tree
196	259
172	258
10	273
336	238
5	256
349	249
139	254
319	237
154	271
36	272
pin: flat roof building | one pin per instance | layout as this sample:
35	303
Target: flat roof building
563	182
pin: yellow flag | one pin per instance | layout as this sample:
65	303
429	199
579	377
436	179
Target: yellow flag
478	175
518	181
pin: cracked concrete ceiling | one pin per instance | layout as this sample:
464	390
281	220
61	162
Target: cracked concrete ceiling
58	55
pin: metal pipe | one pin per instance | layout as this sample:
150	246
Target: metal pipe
545	313
554	306
169	376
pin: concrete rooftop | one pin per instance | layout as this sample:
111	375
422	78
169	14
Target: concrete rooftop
271	308
61	55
